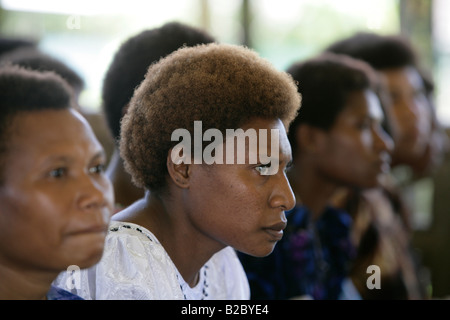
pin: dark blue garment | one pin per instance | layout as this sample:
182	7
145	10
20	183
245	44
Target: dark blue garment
56	293
310	259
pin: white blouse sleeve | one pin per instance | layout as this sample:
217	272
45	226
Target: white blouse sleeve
136	266
133	266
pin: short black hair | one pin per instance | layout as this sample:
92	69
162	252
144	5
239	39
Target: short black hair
131	61
380	51
34	59
8	44
23	90
325	83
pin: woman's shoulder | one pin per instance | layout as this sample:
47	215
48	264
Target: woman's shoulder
134	265
129	229
131	244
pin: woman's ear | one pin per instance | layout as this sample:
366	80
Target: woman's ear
179	172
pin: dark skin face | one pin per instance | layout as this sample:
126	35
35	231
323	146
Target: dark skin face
210	206
411	114
237	205
355	151
55	202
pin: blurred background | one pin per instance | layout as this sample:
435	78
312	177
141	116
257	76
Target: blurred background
86	33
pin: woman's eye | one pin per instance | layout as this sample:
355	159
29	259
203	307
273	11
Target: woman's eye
100	168
58	172
264	169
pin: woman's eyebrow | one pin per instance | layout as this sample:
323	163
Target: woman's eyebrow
57	158
99	154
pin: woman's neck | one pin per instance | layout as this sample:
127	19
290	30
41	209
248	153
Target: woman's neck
24	285
166	218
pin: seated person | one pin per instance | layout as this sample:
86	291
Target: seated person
205	202
389	215
337	141
55	200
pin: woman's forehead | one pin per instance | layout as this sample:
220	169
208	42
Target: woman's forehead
43	129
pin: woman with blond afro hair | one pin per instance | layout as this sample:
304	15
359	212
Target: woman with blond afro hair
179	241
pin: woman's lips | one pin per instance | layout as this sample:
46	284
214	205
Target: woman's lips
276	230
91	229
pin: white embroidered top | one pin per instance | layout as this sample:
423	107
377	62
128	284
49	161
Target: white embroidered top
136	266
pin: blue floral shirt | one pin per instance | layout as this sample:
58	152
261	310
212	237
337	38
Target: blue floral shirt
56	293
310	259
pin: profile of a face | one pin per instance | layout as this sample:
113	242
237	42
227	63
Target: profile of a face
239	204
355	152
411	114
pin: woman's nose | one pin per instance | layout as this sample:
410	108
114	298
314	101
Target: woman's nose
283	197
